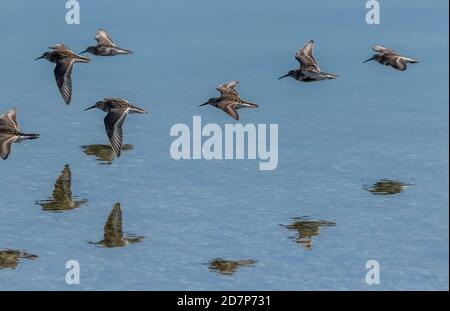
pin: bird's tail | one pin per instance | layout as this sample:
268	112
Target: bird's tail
29	136
135	109
82	59
249	105
125	51
330	75
410	60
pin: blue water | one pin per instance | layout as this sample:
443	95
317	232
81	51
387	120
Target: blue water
335	137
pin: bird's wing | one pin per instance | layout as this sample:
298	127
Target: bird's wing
103	38
63	186
5	145
113	226
231	111
9	119
63	72
113	125
397	62
382	49
60	47
228	88
306	58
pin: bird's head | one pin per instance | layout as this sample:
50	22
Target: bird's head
210	101
90	49
374	57
46	55
291	73
99	105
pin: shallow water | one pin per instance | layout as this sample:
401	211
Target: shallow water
335	138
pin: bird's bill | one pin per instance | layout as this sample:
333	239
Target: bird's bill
90	108
286	75
40	57
368	60
85	51
204	104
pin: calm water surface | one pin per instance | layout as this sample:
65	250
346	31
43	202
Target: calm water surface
192	225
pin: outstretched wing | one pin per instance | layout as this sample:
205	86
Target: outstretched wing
63	72
5	145
113	226
382	49
306	58
60	47
9	119
231	111
103	38
113	125
63	186
397	62
228	88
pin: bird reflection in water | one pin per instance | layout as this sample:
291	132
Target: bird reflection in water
307	229
9	259
61	199
103	153
386	187
228	267
113	234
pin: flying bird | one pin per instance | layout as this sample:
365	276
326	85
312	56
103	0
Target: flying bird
64	59
10	133
117	110
229	100
309	70
391	58
105	46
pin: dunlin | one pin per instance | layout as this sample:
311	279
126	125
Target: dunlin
117	109
10	133
309	70
391	58
229	100
64	59
105	46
